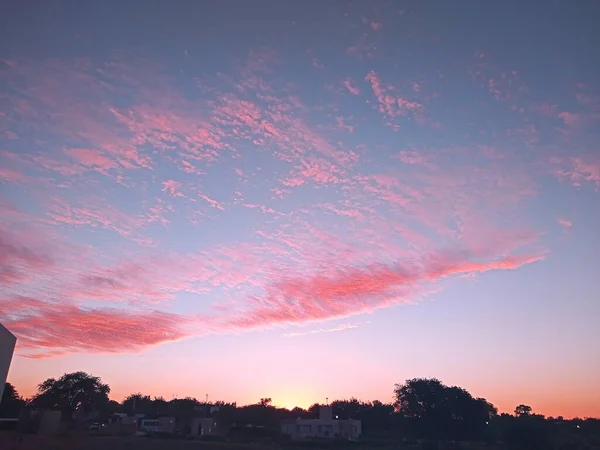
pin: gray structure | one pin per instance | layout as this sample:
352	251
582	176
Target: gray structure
324	427
7	348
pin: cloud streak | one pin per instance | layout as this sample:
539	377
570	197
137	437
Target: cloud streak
45	329
342	327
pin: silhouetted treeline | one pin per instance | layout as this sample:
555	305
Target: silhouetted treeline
423	409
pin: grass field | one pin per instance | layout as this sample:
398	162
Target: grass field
74	442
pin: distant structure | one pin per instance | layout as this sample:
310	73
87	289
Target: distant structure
160	425
7	348
203	426
323	427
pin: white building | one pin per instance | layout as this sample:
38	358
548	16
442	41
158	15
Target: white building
7	348
160	425
323	427
203	426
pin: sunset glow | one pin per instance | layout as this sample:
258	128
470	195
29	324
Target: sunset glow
303	200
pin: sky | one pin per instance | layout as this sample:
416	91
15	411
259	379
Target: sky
303	200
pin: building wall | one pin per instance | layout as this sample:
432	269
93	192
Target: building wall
7	348
320	428
350	429
162	425
323	427
50	422
203	426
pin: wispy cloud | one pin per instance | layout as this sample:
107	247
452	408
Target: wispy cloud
355	291
566	224
351	87
342	327
53	329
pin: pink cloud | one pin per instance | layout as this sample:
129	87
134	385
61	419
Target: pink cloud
571	119
93	212
191	168
91	158
547	110
578	170
211	202
348	84
329	239
342	327
362	50
566	224
173	188
354	291
320	170
264	209
18	261
348	212
46	329
342	125
325	292
412	158
12	176
390	103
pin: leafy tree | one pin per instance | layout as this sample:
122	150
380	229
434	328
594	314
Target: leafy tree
11	402
529	432
183	407
226	415
113	406
523	410
72	391
347	409
266	401
137	403
419	397
160	405
441	412
313	410
260	414
420	401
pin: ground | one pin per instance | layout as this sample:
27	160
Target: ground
34	442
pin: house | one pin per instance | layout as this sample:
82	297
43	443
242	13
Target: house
7	347
123	418
50	422
160	425
323	427
203	426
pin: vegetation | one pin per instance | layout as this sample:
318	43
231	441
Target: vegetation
425	413
71	392
11	402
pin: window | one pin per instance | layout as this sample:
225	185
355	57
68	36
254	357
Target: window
304	429
325	430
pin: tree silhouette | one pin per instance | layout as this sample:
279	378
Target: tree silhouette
441	412
265	401
11	402
313	410
72	391
423	408
138	403
523	410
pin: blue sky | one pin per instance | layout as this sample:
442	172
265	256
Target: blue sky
303	201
